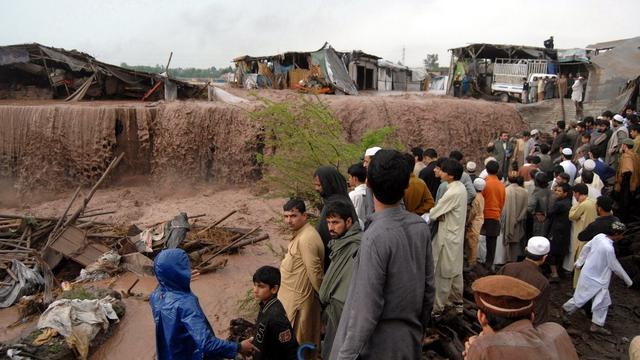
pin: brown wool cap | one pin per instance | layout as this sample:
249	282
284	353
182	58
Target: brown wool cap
504	296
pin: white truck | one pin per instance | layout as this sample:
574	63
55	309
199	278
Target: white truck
508	76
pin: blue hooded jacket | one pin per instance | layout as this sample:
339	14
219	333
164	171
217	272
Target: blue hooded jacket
182	329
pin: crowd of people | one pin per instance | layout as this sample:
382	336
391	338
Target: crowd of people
387	253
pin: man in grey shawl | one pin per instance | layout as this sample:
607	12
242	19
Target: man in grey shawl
391	292
345	242
332	187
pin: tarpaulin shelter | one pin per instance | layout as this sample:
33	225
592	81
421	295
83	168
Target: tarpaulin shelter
286	70
56	73
613	69
392	76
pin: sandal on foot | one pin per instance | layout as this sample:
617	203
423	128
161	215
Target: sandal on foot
600	330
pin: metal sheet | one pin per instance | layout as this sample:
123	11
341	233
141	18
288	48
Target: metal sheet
74	64
610	71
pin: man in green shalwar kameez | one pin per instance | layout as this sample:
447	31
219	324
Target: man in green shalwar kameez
344	244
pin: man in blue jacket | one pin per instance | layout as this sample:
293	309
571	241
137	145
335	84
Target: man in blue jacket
182	329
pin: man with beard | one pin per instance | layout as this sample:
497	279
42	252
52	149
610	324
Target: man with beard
344	245
502	150
391	291
332	187
618	135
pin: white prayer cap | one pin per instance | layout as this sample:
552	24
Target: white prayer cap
538	245
479	184
471	166
535	132
589	165
490	158
372	151
567	152
618	118
600	117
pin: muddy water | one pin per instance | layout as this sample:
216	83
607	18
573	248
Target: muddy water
10	316
219	293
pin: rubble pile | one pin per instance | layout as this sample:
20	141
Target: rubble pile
72	319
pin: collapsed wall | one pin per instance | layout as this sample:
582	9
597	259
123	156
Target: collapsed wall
58	145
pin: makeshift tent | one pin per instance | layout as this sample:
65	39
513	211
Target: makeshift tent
334	69
74	75
611	71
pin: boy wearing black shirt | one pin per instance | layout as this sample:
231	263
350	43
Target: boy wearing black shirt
274	337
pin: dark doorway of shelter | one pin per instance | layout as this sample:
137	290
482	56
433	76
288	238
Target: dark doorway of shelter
364	78
368	79
361	78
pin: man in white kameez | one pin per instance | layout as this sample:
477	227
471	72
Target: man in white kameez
598	260
448	245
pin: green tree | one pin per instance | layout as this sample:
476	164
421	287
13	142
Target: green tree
431	63
304	135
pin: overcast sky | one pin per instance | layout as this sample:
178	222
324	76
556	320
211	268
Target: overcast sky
211	33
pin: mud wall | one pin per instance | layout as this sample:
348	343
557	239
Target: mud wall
442	123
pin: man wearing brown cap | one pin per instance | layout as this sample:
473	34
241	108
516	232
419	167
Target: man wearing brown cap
528	270
505	312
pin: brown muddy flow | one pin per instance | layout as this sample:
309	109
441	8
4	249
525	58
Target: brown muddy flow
52	145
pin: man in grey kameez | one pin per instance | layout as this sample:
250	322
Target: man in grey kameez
391	292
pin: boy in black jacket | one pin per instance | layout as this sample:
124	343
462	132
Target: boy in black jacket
274	337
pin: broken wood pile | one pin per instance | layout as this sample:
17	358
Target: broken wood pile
45	241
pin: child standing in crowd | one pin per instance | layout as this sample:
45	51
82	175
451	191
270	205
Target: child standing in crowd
274	335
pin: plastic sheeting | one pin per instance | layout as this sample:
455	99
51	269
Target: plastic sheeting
79	321
176	230
170	90
334	69
572	55
102	268
29	282
74	64
217	94
610	71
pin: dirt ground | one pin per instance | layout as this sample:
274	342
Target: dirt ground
221	293
144	203
623	320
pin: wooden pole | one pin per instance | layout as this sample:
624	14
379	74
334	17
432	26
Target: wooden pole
166	69
227	247
87	198
64	215
217	222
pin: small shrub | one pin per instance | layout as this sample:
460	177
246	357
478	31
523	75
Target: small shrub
304	135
